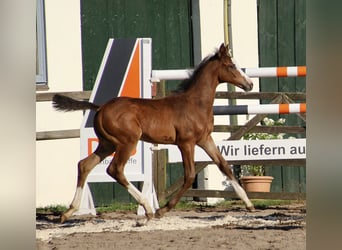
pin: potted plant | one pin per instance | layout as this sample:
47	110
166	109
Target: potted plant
253	177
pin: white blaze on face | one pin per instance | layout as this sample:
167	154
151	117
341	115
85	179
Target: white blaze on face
249	80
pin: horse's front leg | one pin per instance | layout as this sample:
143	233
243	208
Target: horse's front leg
187	152
211	149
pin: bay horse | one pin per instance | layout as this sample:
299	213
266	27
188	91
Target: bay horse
184	118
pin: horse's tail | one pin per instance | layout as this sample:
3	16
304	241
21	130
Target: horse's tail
64	103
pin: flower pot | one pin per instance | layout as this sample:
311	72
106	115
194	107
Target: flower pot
256	183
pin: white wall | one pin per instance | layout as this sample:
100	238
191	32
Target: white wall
56	161
245	43
211	22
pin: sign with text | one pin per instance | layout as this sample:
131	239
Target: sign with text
248	150
134	168
124	71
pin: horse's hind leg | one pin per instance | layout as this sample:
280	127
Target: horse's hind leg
211	149
84	168
187	151
116	170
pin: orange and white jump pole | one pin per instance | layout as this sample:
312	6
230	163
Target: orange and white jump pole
179	74
294	71
286	108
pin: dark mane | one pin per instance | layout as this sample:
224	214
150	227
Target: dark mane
187	83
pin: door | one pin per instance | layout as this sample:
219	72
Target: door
282	33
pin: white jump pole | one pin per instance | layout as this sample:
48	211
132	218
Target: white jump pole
179	74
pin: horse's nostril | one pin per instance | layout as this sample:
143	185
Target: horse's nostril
249	86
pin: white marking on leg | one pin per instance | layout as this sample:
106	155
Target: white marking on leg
77	198
139	198
241	193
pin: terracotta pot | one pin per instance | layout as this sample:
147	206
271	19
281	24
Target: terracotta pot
256	183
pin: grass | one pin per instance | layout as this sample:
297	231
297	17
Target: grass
258	204
182	205
53	209
116	206
263	204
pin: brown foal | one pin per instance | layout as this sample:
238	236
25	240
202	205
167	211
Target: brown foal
184	118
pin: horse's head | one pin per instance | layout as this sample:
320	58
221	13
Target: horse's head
230	72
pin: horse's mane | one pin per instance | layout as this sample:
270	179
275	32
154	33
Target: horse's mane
187	83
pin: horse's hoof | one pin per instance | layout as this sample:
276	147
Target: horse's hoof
251	209
141	223
159	213
64	218
149	216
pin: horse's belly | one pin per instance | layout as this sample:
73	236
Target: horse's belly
161	135
158	139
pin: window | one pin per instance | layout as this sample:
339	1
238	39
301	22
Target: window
41	69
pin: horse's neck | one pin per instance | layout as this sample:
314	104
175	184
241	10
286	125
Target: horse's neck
205	88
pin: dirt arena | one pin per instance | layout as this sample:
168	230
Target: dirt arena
278	227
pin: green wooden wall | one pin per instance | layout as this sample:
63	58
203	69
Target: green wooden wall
282	39
168	23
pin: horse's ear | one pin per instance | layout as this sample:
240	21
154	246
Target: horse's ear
229	51
222	51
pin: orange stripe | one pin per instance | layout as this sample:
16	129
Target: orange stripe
284	108
302	107
282	71
90	145
301	70
131	87
91	149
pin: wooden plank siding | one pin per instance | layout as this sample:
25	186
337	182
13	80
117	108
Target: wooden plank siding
168	23
282	43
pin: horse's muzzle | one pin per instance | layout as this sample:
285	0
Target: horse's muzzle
248	86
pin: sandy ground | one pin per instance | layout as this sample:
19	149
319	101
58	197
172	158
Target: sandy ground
281	227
